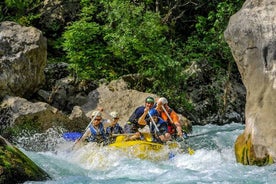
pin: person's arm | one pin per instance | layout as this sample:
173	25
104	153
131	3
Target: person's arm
142	119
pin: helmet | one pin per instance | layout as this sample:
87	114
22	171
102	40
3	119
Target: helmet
96	113
114	114
153	112
162	100
149	99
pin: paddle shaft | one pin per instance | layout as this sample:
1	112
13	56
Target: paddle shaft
167	113
87	127
155	126
190	150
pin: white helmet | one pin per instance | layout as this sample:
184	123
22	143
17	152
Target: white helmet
114	114
162	100
96	113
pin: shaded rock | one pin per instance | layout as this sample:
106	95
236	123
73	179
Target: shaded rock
214	95
55	72
79	118
55	14
63	91
24	116
16	167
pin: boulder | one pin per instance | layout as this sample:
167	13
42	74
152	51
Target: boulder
115	96
18	115
16	167
23	55
250	35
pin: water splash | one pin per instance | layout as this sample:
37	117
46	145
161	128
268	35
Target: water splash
213	162
39	142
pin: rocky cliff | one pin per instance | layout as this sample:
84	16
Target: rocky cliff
251	36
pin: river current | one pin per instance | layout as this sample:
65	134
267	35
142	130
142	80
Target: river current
213	162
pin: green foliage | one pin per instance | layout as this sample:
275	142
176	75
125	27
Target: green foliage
22	11
136	37
114	38
208	43
84	49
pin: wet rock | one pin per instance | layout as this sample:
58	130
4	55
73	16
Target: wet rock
16	167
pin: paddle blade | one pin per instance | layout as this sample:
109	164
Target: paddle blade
191	151
71	136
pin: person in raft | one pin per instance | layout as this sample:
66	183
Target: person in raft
114	127
132	126
158	127
171	117
95	132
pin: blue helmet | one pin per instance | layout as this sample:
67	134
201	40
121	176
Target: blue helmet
153	112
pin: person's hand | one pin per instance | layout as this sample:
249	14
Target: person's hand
159	106
146	110
100	109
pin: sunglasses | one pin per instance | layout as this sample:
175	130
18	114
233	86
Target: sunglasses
99	119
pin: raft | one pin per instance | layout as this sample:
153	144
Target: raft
145	149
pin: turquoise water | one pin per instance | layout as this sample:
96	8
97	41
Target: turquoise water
213	162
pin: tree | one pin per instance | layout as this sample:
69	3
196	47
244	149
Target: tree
116	37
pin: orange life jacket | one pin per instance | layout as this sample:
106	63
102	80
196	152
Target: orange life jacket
174	117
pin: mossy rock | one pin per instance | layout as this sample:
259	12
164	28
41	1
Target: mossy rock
245	154
16	167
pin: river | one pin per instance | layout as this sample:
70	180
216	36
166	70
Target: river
213	162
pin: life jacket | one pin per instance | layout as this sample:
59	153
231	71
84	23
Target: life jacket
97	135
159	123
117	129
171	125
162	129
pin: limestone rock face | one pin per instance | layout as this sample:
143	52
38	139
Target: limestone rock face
115	97
251	37
23	55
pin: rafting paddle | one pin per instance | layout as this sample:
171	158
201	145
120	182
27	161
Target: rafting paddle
190	150
77	141
153	122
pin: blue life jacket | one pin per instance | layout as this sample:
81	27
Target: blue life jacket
97	135
117	129
161	125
